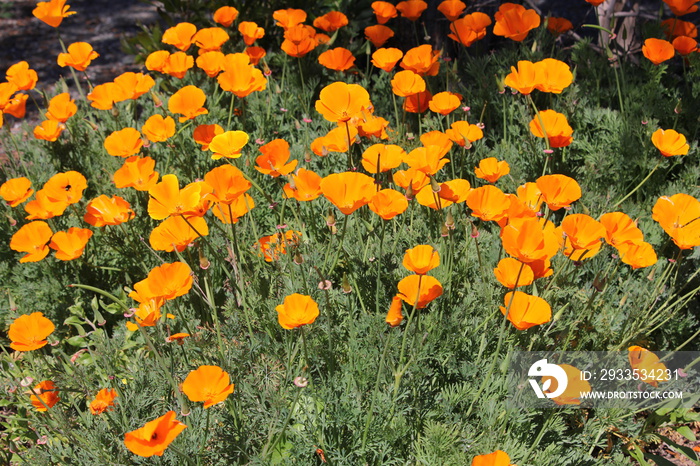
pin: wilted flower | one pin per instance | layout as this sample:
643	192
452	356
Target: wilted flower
104	401
44	396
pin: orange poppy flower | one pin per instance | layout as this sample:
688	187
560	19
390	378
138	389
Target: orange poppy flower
527	240
44	396
52	12
297	310
445	103
336	140
228	144
188	102
488	203
463	133
419	290
104	210
331	21
158	129
674	27
524	78
28	332
497	458
595	2
556	127
289	18
166	198
231	212
379	158
525	311
558	190
148	313
669	142
421	259
679	216
209	384
65	187
71	244
582	236
406	83
657	51
273	246
386	59
210	39
620	229
16	190
240	77
422	60
437	138
411	9
273	162
388	203
469	29
304	185
384	11
104	401
428	160
685	45
512	273
174	233
491	169
79	56
103	96
212	63
531	195
348	191
637	254
250	32
167	281
645	363
304	43
16	106
559	26
43	208
452	9
412	178
227	182
575	387
225	15
132	85
178	337
552	75
437	200
7	90
378	35
181	36
154	437
156	60
137	172
338	59
514	21
61	107
682	7
417	103
517	209
123	143
203	134
22	76
373	126
394	317
339	102
255	54
178	64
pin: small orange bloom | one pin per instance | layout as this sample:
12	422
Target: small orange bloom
228	184
463	133
178	64
582	236
645	363
181	35
228	144
156	60
525	311
339	102
379	158
44	396
231	212
552	75
524	78
296	311
558	26
419	290
61	107
79	56
225	15
556	128
411	9
428	160
304	185
166	282
255	54
348	191
388	203
637	254
289	18
378	35
273	162
620	229
527	240
210	39
595	2
336	140
679	216
422	60
137	172
685	45
658	51
166	198
43	208
16	190
188	102
16	106
65	187
452	9
250	32
421	259
104	210
209	384
384	11
338	59
469	29
154	437
273	246
331	21
406	83
240	77
104	96
178	337
417	103
497	458
203	134
575	387
445	103
52	12
158	129
558	190
682	7
104	401
386	59
394	317
512	273
514	21
174	233
21	76
674	27
71	244
669	142
123	143
28	332
491	169
488	203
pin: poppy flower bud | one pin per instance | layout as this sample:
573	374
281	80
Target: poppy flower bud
475	232
156	100
444	231
92	125
409	193
297	125
345	285
450	221
298	259
203	261
434	185
266	70
115	112
301	382
307	157
678	109
501	83
330	219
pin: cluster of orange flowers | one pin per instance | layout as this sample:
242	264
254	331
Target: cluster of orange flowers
680	35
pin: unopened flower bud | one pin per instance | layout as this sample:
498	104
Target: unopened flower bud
298	259
444	231
330	219
345	285
409	193
450	221
434	185
475	232
156	100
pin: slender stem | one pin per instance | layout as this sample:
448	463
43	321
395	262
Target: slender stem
639	185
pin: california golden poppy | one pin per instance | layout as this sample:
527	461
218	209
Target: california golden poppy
274	161
188	102
336	140
348	191
384	11
421	259
225	16
412	178
378	34
52	12
181	35
558	190
132	85
556	128
155	61
512	273
240	77
16	190
166	198
210	39
469	29
527	240
209	384
682	7
386	59
422	60
104	401
582	236
637	254
331	21
514	21
44	396
379	158
28	332
524	310
497	458
463	133
304	185
155	436
273	246
445	103
228	144
552	75
232	211
79	56
158	129
488	203
21	76
167	281
411	9
137	173
388	203
406	83
647	366
558	26
65	187
255	54
491	169
203	134
339	102
297	310
16	106
289	18
530	195
104	210
61	107
428	160
685	45
679	216
176	233
437	138
674	27
299	40
69	245
452	9
123	143
419	290
394	317
670	142
417	103
657	51
178	64
338	59
577	385
227	182
250	32
42	207
523	78
620	229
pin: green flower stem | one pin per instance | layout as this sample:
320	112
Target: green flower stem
370	413
230	112
204	438
638	186
379	268
72	70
